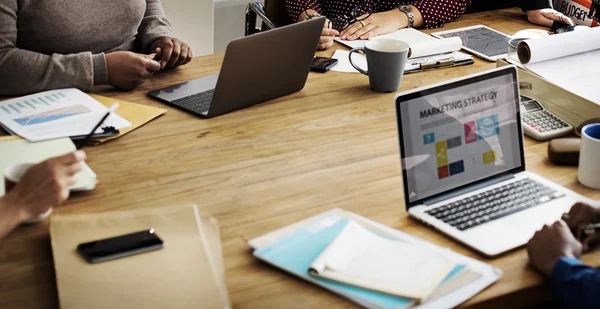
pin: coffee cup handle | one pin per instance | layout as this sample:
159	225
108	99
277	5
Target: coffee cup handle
356	50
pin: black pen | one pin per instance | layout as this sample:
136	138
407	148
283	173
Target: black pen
89	136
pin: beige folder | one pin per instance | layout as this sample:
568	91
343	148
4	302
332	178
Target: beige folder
186	273
137	114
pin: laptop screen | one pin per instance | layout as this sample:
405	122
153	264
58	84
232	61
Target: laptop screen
459	133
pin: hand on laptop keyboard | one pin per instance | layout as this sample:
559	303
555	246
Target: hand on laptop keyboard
551	243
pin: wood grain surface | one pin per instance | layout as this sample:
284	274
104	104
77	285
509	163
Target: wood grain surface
333	144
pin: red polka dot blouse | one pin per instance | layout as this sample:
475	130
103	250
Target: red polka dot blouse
435	12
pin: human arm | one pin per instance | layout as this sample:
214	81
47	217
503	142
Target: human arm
541	12
554	251
427	14
381	23
575	284
297	9
23	71
45	185
580	215
10	216
155	36
311	8
436	13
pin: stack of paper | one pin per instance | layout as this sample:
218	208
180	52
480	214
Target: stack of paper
420	44
424	49
187	273
54	114
14	150
332	251
362	258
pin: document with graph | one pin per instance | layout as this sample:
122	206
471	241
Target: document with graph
54	114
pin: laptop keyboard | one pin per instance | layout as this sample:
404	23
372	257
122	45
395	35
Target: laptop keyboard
197	103
494	204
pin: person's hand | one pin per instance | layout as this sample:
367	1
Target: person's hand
551	243
582	214
327	36
45	185
171	52
546	17
374	25
127	70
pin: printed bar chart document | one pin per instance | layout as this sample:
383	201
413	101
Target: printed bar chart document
54	114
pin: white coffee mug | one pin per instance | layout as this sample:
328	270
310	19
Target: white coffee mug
589	156
12	176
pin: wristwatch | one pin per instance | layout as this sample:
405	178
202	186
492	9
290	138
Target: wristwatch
408	11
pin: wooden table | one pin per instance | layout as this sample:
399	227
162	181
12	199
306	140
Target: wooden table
333	144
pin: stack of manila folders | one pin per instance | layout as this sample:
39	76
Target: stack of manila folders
424	50
372	264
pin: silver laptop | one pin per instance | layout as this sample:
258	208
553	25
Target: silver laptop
463	165
255	69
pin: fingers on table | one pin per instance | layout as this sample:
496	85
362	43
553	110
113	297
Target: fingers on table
349	33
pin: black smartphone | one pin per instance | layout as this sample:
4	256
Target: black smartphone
322	64
120	246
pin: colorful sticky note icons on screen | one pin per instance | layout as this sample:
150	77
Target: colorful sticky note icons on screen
457	167
470	132
454	142
488	157
443	172
429	138
488	126
441	153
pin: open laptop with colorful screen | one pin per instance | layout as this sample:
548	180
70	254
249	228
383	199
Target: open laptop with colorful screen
463	164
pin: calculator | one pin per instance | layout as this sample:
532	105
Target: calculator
539	123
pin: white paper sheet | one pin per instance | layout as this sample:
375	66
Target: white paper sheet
569	60
359	256
577	74
421	44
54	114
412	64
558	46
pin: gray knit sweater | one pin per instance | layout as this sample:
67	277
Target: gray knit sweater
50	44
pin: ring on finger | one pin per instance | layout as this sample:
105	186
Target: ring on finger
362	24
